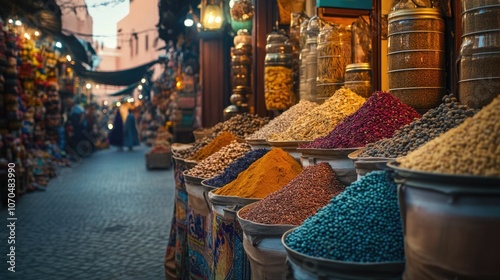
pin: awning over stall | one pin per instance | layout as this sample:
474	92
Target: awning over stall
126	91
118	78
81	50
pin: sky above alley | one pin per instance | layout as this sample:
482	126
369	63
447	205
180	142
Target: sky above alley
105	18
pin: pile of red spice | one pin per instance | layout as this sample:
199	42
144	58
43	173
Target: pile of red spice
380	116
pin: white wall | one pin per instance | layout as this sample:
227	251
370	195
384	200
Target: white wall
143	18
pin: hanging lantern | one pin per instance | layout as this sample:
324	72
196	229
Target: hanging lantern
212	16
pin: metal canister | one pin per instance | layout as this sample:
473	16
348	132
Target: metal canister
416	68
479	75
358	78
278	73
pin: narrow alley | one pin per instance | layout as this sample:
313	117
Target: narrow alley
106	218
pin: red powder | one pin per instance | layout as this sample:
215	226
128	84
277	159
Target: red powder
380	116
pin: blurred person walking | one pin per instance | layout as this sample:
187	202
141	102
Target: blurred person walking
116	134
131	138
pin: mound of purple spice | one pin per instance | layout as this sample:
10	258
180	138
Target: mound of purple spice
380	116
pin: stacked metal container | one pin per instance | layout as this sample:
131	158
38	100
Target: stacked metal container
479	73
416	61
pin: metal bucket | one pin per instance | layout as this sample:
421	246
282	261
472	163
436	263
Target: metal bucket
451	224
263	247
304	267
365	165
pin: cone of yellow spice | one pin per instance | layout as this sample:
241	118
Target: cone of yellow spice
222	140
263	177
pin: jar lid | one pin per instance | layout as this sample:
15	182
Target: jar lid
278	59
417	13
358	66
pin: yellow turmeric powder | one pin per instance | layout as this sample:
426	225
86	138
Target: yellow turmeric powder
263	177
222	140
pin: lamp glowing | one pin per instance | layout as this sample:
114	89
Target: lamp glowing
212	17
188	22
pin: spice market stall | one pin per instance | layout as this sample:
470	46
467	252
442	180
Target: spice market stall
31	128
350	134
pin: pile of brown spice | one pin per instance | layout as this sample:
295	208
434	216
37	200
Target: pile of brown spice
301	198
472	148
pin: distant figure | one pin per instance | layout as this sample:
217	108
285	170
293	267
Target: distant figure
76	116
131	138
116	133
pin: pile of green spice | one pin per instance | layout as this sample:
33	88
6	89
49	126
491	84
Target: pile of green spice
301	198
433	123
378	118
323	118
362	224
472	148
283	121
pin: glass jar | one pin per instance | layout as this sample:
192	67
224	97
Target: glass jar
242	37
334	54
312	57
416	69
241	63
278	74
303	33
480	19
361	41
304	93
479	75
294	42
358	78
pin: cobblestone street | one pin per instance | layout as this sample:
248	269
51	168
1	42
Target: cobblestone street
106	218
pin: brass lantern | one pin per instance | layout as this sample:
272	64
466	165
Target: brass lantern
211	14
